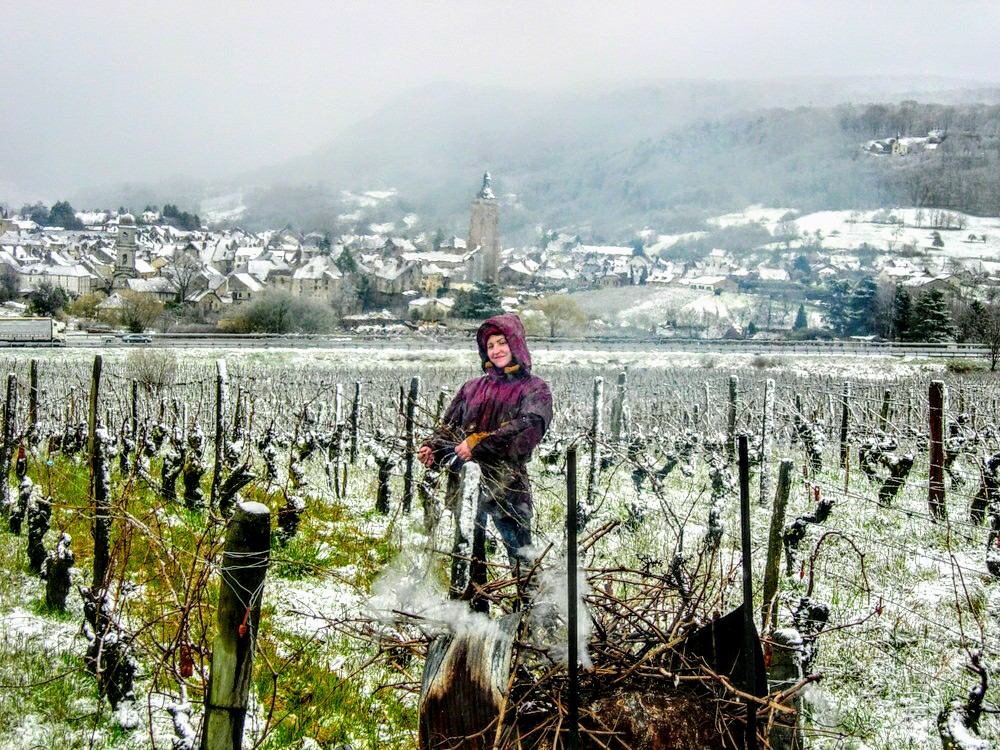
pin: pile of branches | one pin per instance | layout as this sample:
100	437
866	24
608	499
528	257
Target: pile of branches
663	666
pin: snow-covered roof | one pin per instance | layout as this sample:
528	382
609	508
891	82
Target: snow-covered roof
422	302
602	250
434	256
157	285
772	274
248	281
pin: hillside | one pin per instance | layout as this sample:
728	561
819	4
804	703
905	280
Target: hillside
608	162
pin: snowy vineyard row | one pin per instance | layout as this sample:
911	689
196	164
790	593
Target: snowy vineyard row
854	461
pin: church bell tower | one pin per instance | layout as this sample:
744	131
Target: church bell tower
484	233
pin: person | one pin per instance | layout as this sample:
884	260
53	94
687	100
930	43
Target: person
496	420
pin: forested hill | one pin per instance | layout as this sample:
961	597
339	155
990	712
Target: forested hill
621	161
606	163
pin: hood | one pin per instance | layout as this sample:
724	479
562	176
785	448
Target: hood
512	329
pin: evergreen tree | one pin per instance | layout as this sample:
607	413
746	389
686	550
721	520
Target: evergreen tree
838	310
346	262
366	293
801	321
63	215
902	314
863	317
37	212
481	302
932	319
47	300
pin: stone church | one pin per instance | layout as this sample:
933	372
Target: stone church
484	234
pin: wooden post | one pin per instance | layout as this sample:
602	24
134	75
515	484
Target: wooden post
845	406
468	556
101	501
411	405
355	416
572	656
935	493
619	412
33	400
337	446
750	644
731	420
221	396
244	567
769	612
766	427
7	449
596	428
885	412
95	388
134	416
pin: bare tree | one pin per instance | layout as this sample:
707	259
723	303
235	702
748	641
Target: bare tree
561	312
183	270
138	310
989	332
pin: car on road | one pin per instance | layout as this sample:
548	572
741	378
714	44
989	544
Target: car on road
136	338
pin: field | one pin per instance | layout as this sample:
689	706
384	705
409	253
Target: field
356	588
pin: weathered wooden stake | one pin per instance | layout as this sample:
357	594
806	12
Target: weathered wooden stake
95	388
845	410
410	455
935	493
355	416
750	644
7	449
769	610
33	400
596	428
101	499
619	412
766	427
572	616
221	398
244	567
337	446
731	419
886	411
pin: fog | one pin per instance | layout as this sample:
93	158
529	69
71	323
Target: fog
103	92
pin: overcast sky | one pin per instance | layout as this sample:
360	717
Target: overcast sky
97	92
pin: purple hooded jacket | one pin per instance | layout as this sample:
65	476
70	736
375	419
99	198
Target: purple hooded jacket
504	415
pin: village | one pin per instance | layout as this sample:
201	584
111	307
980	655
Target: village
787	274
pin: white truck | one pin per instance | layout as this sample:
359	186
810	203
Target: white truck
29	332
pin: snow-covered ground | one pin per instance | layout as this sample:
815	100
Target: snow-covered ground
884	230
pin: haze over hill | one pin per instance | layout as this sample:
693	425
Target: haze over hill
608	161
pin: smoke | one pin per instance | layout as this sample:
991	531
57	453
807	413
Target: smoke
410	590
548	618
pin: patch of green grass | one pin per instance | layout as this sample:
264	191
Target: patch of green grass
310	693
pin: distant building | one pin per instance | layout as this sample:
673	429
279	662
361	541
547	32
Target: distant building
484	233
125	248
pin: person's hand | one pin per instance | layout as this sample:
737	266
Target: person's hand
463	451
425	456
